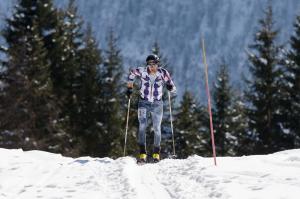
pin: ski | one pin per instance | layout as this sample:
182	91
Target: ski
148	161
140	162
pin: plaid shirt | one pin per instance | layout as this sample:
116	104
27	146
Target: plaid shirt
151	91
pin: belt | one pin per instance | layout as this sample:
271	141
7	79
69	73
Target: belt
155	100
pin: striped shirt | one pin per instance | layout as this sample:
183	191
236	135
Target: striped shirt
151	90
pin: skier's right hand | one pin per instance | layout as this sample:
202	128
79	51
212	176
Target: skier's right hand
129	92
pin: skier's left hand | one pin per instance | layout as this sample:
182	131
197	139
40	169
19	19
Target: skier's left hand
169	87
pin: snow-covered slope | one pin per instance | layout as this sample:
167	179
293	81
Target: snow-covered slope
36	174
228	27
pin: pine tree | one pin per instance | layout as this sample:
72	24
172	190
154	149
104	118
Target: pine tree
242	142
204	148
66	74
29	101
73	41
187	136
222	112
292	87
48	22
88	98
70	66
263	94
230	123
111	94
28	88
59	49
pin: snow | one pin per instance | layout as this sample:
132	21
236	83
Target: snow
4	48
291	85
1	85
99	124
48	32
67	23
112	100
109	79
263	60
234	119
37	174
284	130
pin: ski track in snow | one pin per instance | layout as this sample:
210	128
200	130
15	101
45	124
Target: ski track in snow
42	175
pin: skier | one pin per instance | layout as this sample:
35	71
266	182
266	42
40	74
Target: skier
153	78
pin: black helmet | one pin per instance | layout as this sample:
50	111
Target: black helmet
152	57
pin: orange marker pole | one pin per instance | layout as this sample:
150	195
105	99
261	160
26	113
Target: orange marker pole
209	103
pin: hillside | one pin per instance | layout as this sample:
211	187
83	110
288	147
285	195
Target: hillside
228	27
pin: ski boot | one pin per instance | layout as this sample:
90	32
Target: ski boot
142	159
155	155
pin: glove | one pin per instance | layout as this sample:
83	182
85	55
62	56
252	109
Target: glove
129	92
169	87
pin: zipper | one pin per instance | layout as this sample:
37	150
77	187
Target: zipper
151	88
151	92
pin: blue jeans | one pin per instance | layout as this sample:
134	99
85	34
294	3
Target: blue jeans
156	109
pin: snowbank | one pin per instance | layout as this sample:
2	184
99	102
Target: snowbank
37	174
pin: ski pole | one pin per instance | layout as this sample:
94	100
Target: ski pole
208	101
126	129
171	119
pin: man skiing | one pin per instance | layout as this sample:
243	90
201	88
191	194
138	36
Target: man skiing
153	78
